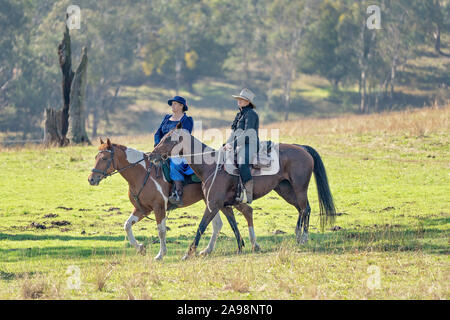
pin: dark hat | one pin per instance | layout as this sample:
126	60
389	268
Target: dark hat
179	100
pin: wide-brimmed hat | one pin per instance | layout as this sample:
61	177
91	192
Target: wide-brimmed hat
246	94
179	100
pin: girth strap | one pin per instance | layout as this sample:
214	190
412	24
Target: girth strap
136	197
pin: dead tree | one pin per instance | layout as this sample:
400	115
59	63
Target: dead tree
59	128
77	130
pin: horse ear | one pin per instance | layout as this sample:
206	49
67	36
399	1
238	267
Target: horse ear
108	142
179	125
101	141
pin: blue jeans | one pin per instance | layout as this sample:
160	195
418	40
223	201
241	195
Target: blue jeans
179	168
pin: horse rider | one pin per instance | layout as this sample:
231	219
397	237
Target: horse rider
244	139
178	165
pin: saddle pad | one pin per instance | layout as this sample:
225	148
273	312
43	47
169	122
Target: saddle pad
272	169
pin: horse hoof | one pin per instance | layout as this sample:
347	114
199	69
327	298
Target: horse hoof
142	250
256	248
303	239
205	252
188	255
185	257
159	257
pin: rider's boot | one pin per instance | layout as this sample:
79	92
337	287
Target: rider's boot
177	194
248	196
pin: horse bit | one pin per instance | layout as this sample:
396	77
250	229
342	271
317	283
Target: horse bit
106	174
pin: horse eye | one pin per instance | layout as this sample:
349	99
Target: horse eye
104	159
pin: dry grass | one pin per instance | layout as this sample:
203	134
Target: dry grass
238	283
102	274
418	122
33	288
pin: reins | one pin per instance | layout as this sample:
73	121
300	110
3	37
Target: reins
111	160
166	156
214	178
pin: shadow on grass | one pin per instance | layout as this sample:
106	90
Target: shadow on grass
432	241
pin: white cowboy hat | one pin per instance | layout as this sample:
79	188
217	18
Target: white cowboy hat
246	94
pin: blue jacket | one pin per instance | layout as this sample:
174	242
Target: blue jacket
167	125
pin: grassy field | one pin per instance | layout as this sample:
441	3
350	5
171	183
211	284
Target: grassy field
389	174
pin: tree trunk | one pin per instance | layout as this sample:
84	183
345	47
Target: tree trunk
53	128
271	82
94	122
437	39
335	84
287	98
77	130
178	64
65	62
393	74
56	122
362	105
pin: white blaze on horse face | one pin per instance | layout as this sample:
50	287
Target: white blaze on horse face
127	226
134	156
160	190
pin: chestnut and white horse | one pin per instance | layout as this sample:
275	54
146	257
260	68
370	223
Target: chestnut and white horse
149	192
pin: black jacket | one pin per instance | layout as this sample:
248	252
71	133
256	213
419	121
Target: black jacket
245	119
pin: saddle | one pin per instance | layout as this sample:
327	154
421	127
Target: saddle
187	179
264	163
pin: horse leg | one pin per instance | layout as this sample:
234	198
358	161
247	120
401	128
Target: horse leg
301	231
160	215
232	221
247	211
299	200
206	219
135	217
217	226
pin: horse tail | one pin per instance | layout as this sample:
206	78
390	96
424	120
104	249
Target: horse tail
326	203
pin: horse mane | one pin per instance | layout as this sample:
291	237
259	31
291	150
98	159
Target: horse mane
104	146
121	147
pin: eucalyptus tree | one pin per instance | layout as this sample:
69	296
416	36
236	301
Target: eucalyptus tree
290	21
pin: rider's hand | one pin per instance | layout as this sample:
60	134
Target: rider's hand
227	147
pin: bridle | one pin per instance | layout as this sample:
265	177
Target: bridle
111	161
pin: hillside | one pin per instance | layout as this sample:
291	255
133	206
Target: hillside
423	81
389	178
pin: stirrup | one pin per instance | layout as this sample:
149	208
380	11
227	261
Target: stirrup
242	197
176	199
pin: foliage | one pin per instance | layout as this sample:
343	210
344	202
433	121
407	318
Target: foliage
265	45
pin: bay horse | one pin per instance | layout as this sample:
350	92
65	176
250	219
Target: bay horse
149	191
297	163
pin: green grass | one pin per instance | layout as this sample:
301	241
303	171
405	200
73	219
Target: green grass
391	190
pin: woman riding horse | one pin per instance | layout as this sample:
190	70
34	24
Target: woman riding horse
178	166
297	163
244	140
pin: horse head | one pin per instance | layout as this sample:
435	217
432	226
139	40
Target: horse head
171	144
104	163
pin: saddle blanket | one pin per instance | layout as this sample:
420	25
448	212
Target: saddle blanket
264	163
